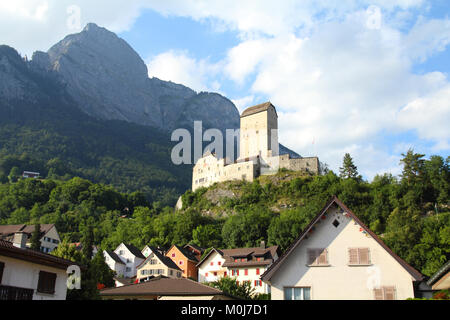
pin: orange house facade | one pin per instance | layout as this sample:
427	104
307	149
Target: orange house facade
185	260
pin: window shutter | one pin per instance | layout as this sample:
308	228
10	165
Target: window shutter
352	256
378	294
389	293
364	257
311	256
323	259
46	282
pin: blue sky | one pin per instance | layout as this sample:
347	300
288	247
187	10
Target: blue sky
366	77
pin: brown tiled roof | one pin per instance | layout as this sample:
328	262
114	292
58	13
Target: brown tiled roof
334	200
9	250
186	253
256	109
6	230
162	286
250	253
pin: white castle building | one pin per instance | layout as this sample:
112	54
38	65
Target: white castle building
258	152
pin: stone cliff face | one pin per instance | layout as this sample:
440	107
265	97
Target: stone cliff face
109	80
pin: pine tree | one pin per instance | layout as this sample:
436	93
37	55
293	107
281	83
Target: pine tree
87	241
36	237
348	169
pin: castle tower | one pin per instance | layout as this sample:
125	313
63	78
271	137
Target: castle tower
259	132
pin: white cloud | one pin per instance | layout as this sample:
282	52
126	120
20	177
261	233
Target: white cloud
179	67
244	102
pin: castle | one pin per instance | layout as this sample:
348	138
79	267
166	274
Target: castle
258	152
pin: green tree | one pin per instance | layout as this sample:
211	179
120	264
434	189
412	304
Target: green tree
348	169
230	286
14	174
36	237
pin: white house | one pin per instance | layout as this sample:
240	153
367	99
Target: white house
114	262
337	257
243	264
49	235
31	275
129	255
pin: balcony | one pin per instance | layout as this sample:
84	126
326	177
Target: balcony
14	293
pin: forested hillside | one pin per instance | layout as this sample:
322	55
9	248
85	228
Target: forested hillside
43	130
410	213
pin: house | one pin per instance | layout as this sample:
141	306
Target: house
49	235
27	274
157	264
128	255
244	264
114	262
185	260
163	288
29	174
148	250
337	257
441	279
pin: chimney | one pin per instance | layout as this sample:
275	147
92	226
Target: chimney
20	240
262	245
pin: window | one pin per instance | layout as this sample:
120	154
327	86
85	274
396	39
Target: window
127	269
358	256
384	293
46	282
215	274
257	271
246	272
171	272
212	263
180	262
225	274
173	255
179	274
336	223
292	293
206	274
219	263
318	257
258	283
121	252
2	267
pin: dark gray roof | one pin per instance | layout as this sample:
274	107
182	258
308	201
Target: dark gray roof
135	251
165	260
114	256
442	271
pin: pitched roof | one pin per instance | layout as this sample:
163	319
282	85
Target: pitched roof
164	260
256	109
162	286
439	274
185	252
13	228
135	251
114	256
229	255
334	200
8	249
195	247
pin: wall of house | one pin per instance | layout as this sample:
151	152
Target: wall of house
339	280
24	274
189	269
251	276
50	241
211	265
113	265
